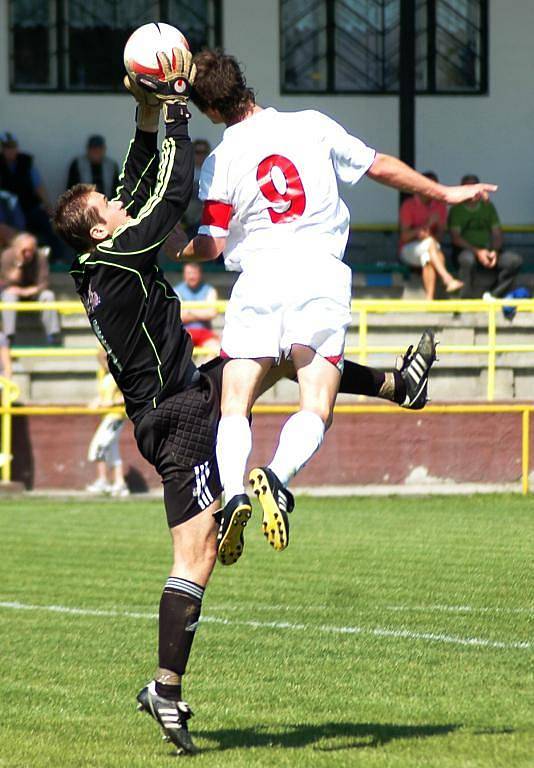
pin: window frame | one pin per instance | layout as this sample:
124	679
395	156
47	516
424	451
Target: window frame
331	90
57	58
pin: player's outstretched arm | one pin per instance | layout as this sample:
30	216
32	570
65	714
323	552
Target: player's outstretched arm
140	167
392	172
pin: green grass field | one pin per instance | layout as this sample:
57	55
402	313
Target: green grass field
392	632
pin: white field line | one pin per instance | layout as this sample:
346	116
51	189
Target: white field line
284	625
456	609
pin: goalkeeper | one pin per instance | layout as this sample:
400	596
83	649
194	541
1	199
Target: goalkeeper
175	407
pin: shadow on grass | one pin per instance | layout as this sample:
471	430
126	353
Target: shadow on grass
347	735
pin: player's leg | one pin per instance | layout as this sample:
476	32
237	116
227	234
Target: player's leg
300	438
194	555
241	381
407	386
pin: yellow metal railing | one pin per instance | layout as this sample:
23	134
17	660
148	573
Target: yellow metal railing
364	308
8	394
8	411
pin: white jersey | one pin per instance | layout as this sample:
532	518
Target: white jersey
272	184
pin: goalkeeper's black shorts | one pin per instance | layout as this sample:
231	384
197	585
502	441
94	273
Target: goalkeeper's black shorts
178	438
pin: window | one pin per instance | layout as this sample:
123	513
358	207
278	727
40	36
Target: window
352	46
76	45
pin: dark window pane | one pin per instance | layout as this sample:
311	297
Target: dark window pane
96	34
303	45
338	46
33	44
458	45
421	45
198	21
359	43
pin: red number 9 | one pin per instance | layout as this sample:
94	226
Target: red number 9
290	203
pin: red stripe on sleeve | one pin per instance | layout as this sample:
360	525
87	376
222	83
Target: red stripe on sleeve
216	214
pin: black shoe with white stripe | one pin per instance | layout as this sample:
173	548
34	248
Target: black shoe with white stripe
276	502
234	517
171	715
415	368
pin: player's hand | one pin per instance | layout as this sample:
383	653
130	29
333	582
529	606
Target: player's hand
175	87
143	97
469	193
484	257
493	259
422	233
148	106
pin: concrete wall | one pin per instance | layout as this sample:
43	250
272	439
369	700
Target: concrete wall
488	135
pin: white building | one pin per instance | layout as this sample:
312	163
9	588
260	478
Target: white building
489	134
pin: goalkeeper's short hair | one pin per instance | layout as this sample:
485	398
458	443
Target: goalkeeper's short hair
74	217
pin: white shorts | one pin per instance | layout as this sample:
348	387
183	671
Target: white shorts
416	253
105	443
270	310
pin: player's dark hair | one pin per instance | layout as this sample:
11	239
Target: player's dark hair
220	85
74	218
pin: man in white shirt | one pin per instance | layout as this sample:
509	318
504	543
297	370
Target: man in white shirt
275	175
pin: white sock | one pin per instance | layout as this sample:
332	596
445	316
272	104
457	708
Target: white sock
301	436
234	443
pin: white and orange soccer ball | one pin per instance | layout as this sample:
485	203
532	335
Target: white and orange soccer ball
143	45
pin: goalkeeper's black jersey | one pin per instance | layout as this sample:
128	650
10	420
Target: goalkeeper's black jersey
132	309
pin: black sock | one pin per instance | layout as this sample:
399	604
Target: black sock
359	379
179	612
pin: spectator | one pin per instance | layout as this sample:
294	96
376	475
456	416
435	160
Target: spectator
12	219
197	321
191	218
476	231
5	358
95	168
24	275
20	176
104	449
422	225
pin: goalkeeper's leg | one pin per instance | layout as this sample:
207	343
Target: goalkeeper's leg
194	549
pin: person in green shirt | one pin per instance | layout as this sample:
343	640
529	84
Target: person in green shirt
476	232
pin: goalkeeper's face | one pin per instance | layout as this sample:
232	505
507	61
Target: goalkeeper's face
111	212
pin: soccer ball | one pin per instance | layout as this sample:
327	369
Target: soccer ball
143	44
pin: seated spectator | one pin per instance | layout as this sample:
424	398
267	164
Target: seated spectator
5	357
193	213
422	225
476	232
95	168
24	276
198	321
20	176
12	219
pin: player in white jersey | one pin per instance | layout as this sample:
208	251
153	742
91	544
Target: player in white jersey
275	175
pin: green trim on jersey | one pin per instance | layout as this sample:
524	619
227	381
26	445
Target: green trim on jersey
120	187
175	297
155	352
164	174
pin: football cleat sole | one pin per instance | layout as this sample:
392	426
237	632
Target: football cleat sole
230	546
275	523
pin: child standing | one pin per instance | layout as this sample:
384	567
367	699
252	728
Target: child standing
104	448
